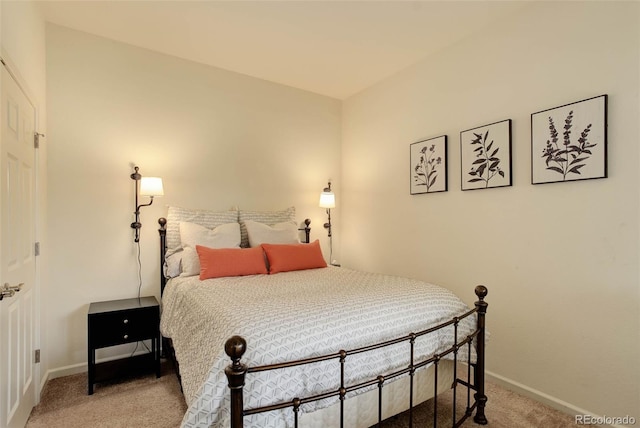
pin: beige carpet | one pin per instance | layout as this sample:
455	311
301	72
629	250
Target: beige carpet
150	402
127	403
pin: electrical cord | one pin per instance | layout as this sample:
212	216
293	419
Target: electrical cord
331	261
139	291
139	270
136	348
331	249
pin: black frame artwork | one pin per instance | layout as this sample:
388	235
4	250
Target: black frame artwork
569	143
485	155
428	166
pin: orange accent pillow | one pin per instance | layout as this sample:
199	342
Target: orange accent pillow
219	262
287	257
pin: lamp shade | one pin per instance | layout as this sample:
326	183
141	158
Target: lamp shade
327	200
151	186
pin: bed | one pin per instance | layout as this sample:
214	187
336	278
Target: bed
317	346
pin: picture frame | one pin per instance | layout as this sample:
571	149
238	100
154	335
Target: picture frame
569	142
428	165
485	156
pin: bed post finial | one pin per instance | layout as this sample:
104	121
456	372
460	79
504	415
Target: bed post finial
235	348
307	229
481	292
481	398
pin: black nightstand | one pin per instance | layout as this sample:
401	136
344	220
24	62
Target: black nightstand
116	322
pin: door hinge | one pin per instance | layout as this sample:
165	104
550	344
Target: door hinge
37	356
37	249
36	139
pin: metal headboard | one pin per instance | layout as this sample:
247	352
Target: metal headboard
163	246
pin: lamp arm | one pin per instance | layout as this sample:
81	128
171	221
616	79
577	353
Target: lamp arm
137	177
136	224
144	205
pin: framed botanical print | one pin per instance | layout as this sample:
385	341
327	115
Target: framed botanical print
569	142
485	154
428	169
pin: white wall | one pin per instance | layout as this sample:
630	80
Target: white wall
560	260
22	38
218	139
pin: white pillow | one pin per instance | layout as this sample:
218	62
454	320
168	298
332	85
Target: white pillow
265	217
205	218
223	236
190	263
279	233
191	234
172	265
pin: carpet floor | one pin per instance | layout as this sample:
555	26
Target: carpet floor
149	402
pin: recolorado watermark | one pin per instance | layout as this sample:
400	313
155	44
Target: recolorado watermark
605	420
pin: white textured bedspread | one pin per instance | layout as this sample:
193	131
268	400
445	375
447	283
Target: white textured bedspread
295	315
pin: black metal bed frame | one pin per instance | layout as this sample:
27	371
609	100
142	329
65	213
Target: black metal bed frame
236	372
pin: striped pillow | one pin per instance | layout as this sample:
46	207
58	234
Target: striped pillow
266	217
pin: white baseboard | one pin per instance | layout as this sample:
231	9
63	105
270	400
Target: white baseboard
66	370
83	367
541	397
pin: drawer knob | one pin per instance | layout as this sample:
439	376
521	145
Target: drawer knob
126	336
126	321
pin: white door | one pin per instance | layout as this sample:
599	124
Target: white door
17	215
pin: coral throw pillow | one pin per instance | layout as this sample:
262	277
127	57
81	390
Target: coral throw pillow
288	257
219	262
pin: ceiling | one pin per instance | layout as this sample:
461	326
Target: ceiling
333	48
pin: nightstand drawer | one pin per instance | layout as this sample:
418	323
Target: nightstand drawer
113	328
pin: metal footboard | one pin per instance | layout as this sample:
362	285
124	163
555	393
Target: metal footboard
236	372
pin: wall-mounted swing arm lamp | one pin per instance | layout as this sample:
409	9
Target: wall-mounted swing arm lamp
144	186
328	201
